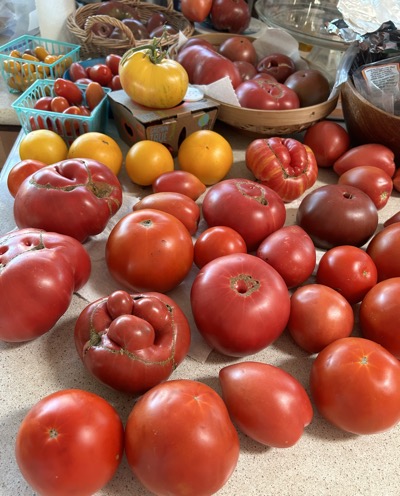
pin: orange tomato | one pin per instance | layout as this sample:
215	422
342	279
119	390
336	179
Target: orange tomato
20	171
146	160
43	145
207	155
100	147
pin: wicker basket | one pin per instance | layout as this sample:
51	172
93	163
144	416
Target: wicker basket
267	122
80	22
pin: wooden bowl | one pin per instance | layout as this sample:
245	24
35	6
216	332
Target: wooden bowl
268	122
368	124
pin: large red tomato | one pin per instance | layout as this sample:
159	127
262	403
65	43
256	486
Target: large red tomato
258	93
262	211
196	10
318	316
70	442
76	197
232	16
180	439
213	66
149	250
239	48
39	273
355	384
337	214
291	252
349	270
328	140
384	249
267	403
380	315
132	342
240	304
283	164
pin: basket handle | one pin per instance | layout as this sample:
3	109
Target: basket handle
93	19
170	3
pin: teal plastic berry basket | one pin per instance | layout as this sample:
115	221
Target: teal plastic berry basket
68	126
20	72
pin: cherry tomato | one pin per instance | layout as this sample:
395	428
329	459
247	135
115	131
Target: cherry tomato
21	171
43	103
59	104
101	74
77	71
216	242
349	270
250	389
318	316
355	384
180	440
142	248
70	442
69	90
328	140
94	94
112	61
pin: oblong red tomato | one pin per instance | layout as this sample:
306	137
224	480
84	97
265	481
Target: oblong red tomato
291	252
384	249
179	181
373	154
374	181
69	90
283	164
253	296
177	204
266	403
355	384
180	440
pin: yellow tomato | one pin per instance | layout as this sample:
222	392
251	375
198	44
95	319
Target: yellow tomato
100	147
43	145
207	155
146	160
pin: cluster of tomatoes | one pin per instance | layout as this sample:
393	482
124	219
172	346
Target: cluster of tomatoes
106	74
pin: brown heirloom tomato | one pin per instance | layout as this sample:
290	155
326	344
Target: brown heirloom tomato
355	384
76	197
266	403
180	440
70	442
40	271
131	342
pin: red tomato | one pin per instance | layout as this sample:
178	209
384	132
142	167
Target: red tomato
101	73
180	181
284	164
291	252
232	16
261	94
77	71
76	197
59	104
43	103
212	66
369	154
177	204
240	304
396	180
374	181
391	220
196	10
318	316
380	315
132	342
247	70
70	442
142	248
190	55
40	271
69	90
337	214
94	94
349	270
180	440
112	62
262	210
21	171
239	48
328	140
251	389
216	242
278	65
355	384
115	84
384	249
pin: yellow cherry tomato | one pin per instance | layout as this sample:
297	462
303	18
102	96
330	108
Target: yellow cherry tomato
207	155
100	147
43	145
146	160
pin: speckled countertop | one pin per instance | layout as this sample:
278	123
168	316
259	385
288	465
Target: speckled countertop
325	462
8	115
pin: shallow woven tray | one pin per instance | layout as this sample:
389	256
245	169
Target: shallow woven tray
268	122
80	22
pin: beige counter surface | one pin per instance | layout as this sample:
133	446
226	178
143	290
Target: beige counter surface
8	115
325	462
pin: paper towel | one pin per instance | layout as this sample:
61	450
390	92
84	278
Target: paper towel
52	17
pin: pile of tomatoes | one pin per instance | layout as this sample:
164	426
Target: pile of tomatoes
250	284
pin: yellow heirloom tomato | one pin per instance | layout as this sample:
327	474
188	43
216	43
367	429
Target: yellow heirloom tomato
151	79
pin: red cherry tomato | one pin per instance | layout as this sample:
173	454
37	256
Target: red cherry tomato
59	104
94	94
355	384
216	242
69	90
112	61
318	316
328	140
43	103
77	71
101	73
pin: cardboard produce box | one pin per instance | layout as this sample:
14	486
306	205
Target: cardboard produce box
135	122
